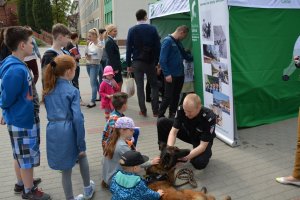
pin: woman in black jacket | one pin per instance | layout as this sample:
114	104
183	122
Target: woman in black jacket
113	53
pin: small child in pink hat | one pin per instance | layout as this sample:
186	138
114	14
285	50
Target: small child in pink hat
107	88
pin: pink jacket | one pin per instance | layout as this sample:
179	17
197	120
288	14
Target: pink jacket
107	88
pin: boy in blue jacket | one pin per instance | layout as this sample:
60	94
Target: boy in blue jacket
127	185
20	106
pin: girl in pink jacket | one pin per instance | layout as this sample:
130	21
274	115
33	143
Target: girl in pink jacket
107	88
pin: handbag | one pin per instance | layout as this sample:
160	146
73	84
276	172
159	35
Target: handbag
129	86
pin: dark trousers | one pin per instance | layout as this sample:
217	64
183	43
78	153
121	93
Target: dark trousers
75	80
32	65
164	126
171	96
140	68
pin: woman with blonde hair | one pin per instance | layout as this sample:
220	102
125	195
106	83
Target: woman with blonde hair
93	54
113	53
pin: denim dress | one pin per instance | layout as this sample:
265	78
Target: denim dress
65	134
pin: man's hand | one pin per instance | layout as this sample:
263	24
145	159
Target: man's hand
168	79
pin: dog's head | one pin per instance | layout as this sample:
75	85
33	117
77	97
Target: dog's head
170	155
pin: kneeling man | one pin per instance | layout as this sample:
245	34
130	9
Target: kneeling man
193	124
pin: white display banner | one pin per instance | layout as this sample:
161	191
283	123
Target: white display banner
168	7
290	4
216	66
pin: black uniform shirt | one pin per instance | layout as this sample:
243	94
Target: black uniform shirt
200	128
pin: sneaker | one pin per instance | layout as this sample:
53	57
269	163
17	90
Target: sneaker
288	181
91	105
18	188
36	194
79	197
91	193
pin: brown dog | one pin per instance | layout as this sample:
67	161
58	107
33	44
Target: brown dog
169	156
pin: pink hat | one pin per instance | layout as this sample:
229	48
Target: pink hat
108	70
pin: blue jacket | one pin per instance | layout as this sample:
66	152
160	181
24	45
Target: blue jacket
16	94
129	186
138	35
171	57
65	134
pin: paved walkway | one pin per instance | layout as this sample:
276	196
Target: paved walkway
246	172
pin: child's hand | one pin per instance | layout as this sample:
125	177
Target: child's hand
114	83
2	121
109	96
160	192
155	161
82	154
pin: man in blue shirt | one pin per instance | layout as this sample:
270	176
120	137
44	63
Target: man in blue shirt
142	53
171	61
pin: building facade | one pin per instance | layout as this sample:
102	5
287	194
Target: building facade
118	12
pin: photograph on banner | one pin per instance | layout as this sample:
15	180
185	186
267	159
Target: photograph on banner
220	39
221	101
206	31
188	71
220	70
211	53
212	84
218	112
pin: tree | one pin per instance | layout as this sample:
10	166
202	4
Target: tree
29	15
22	12
60	9
42	13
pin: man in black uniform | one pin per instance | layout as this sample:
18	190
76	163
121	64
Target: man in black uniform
193	124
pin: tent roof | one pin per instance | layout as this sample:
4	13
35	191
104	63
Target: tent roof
168	7
287	4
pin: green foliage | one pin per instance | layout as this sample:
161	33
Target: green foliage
60	9
42	14
39	42
29	16
22	12
82	42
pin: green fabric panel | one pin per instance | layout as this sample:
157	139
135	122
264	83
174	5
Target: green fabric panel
168	24
262	43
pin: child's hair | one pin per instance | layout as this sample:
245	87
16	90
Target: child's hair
14	35
94	31
119	99
110	148
74	35
60	29
101	30
109	28
55	69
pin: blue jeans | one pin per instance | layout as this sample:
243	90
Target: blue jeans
93	72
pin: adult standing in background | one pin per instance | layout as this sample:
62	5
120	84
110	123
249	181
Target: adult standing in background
171	61
113	53
143	47
93	54
102	40
73	48
31	60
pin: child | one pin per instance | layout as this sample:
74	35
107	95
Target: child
119	102
123	131
106	90
20	104
126	184
61	38
65	134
